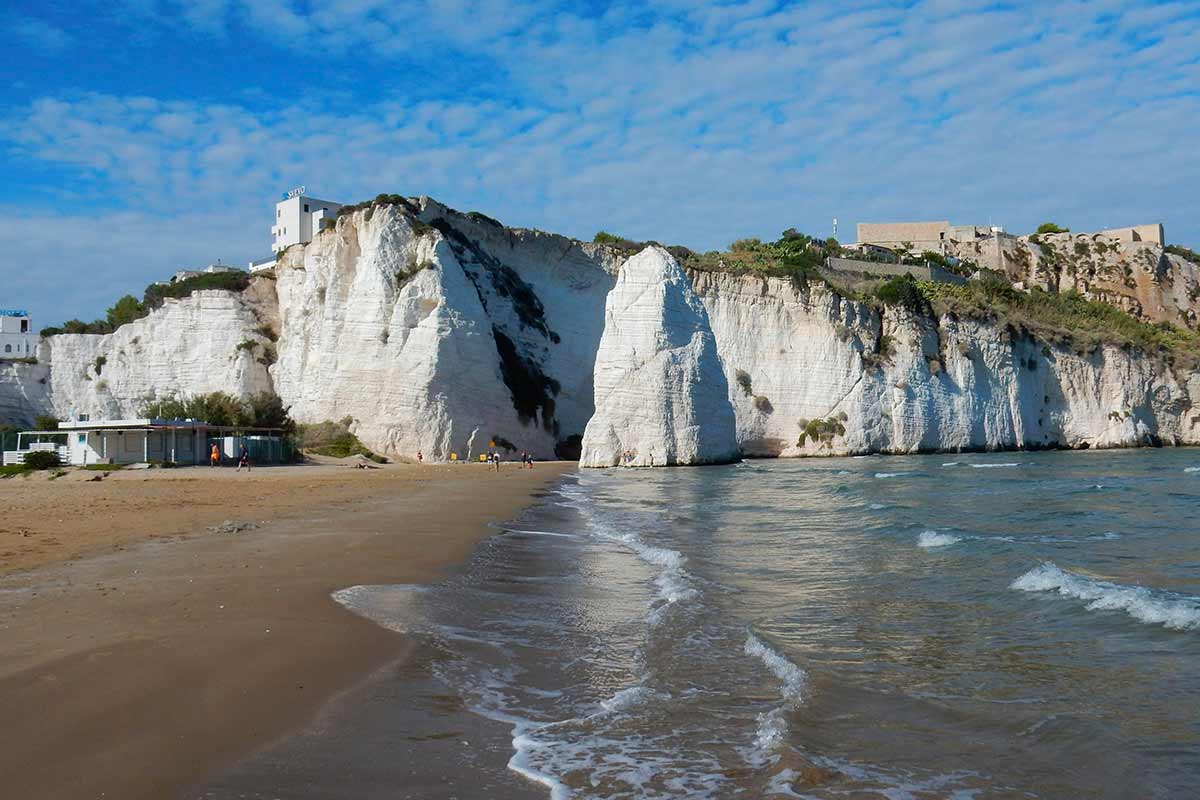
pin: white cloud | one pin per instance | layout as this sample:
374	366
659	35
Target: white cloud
41	34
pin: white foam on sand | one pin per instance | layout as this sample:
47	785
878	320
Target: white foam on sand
930	539
391	606
1149	606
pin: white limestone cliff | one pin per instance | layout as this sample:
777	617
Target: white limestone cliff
661	392
24	392
439	331
440	338
822	375
206	342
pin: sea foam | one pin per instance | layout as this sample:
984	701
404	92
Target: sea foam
1153	607
772	725
930	539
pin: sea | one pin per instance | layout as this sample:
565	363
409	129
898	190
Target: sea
1018	625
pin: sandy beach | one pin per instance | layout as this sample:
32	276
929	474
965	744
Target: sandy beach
144	651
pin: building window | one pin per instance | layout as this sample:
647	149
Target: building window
8	348
24	326
306	208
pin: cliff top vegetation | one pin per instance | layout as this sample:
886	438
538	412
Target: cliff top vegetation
1068	319
129	309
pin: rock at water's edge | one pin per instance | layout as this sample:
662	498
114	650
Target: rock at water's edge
661	391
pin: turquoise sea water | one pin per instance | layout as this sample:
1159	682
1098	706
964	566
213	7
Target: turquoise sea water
1007	625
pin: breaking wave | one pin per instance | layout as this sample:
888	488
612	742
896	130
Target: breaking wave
934	539
772	725
1150	606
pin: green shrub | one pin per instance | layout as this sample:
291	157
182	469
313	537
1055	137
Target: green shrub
42	459
227	281
125	310
45	422
1184	253
604	237
263	410
821	430
1066	318
267	332
333	439
99	363
1050	227
750	245
902	291
743	380
247	344
11	470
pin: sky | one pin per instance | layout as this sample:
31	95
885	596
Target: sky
138	137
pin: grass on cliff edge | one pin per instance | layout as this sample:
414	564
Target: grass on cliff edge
1067	318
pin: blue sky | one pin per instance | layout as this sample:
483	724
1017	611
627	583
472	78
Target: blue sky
141	136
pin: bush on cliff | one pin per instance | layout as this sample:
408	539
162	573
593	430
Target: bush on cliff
333	439
1183	252
1066	318
128	309
45	422
1050	227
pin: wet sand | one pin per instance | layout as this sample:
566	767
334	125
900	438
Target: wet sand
143	653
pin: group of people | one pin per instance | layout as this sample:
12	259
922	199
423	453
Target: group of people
629	456
493	459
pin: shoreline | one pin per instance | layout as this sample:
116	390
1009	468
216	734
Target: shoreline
146	669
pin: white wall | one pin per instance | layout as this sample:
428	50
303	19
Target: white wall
15	342
293	224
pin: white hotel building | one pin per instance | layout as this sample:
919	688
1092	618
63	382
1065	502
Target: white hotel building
297	218
17	337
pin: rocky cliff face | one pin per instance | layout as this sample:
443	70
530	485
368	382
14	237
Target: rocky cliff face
661	392
24	392
207	342
1140	278
443	332
811	373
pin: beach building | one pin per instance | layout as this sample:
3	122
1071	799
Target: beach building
134	441
17	339
298	217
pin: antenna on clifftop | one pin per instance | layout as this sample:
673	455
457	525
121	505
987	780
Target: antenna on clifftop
835	227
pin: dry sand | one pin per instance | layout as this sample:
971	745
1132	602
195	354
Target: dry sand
142	652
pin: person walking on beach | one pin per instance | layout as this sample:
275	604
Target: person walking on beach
214	457
496	460
243	459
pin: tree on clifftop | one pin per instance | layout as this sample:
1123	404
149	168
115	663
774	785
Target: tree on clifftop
1050	227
